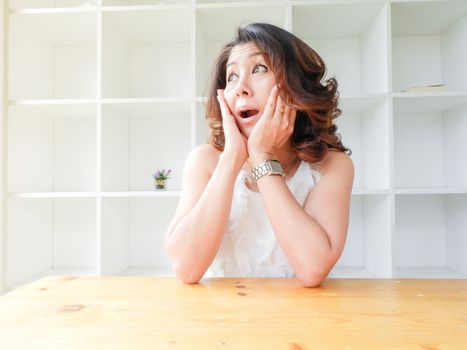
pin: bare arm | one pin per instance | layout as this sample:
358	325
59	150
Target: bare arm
312	237
197	229
196	232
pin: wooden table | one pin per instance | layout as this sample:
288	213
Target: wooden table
65	312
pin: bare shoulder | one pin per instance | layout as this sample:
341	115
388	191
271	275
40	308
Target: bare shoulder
205	156
334	161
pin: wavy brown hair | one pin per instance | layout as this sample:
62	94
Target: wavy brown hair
299	71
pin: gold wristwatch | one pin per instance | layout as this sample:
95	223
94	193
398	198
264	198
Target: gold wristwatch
267	167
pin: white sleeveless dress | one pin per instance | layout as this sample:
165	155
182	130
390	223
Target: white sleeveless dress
249	247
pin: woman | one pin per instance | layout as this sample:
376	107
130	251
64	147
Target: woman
269	195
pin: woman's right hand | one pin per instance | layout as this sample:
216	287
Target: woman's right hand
235	142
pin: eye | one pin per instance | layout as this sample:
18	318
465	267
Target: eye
230	75
262	66
258	68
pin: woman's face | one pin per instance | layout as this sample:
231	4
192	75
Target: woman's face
249	81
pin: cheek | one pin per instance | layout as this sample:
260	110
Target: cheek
265	96
266	89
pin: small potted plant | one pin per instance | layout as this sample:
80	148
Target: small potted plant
160	178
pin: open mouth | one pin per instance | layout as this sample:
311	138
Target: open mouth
249	113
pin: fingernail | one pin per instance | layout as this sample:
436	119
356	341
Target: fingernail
218	91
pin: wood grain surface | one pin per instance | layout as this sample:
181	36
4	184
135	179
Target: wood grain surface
67	312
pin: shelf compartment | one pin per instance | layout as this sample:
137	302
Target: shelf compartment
147	53
428	102
63	46
428	44
430	236
39	4
60	233
358	32
367	252
364	125
138	139
359	104
209	42
429	146
46	152
133	235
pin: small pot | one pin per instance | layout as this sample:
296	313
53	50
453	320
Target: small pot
161	185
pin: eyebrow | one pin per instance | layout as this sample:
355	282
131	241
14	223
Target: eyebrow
253	54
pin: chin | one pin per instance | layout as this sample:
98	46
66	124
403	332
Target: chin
247	132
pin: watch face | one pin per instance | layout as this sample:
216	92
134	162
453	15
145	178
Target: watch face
276	166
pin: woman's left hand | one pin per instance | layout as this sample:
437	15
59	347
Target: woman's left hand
272	130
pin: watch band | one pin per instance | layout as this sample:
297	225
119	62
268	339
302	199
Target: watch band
267	167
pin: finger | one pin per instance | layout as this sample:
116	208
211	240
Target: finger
293	115
227	117
244	138
290	115
228	120
286	115
271	104
285	118
223	104
279	112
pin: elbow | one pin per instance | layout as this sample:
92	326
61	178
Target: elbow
312	281
187	276
312	278
182	270
189	280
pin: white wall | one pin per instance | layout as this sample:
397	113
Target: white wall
2	114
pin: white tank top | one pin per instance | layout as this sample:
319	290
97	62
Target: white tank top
249	247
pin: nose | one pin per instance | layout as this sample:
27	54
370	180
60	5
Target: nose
243	88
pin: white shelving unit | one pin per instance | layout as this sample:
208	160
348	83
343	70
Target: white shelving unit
3	108
101	93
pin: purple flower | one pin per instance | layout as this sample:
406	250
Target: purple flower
162	174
